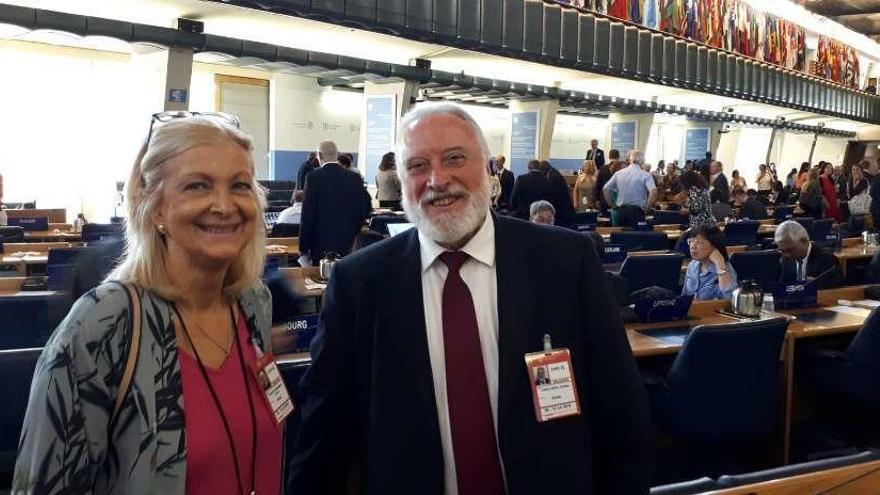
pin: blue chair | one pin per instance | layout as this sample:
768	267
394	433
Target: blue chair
806	223
692	487
92	232
28	320
16	369
724	383
663	270
66	255
664	217
584	218
761	266
285	230
641	241
731	481
11	234
821	230
61	267
782	213
741	233
379	224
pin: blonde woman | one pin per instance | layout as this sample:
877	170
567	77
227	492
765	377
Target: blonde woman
585	187
192	419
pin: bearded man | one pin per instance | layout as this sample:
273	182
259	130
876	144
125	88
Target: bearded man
422	369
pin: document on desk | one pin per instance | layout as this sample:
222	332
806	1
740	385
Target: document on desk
312	285
851	310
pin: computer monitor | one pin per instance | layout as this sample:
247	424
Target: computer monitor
665	309
789	295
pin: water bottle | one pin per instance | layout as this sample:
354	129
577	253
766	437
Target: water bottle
768	304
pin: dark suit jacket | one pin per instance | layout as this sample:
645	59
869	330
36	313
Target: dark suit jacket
370	394
599	158
507	180
723	186
602	178
820	262
753	209
333	212
560	198
305	169
527	189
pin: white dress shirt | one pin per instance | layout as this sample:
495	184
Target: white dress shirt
802	264
478	272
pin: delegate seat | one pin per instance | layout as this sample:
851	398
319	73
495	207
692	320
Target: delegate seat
782	213
61	267
28	320
662	270
665	217
821	230
285	230
720	401
741	233
93	232
585	220
761	266
641	241
16	370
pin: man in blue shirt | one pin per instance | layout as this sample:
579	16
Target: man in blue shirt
636	191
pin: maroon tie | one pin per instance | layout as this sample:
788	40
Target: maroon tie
470	415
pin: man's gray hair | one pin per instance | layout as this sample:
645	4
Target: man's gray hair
427	110
636	156
327	151
792	231
539	206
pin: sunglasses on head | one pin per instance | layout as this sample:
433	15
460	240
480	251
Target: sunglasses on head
165	117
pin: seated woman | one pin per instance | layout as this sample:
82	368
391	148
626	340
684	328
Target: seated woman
709	275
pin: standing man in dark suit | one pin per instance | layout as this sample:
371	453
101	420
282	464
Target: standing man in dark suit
529	187
704	165
802	260
604	176
310	165
334	208
419	374
595	154
560	195
507	181
717	180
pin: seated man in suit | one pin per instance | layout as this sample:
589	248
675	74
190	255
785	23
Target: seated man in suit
802	260
750	206
418	373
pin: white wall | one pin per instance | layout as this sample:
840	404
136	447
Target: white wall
495	123
751	151
830	149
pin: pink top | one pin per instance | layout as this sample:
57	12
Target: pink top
209	466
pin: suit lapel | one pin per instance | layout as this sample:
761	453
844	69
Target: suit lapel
515	313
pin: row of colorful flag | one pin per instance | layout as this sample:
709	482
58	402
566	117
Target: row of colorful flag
836	61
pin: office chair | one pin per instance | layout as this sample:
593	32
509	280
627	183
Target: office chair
641	241
741	233
28	320
61	267
11	234
662	270
782	213
821	230
720	400
92	232
806	223
664	217
761	266
16	370
285	230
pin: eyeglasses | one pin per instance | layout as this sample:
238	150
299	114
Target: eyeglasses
165	117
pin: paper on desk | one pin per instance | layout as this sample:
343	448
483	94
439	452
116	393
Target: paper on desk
850	310
312	285
866	303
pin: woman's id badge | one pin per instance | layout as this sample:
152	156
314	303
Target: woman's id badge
272	387
553	387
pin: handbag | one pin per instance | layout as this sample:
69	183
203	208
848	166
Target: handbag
860	204
133	348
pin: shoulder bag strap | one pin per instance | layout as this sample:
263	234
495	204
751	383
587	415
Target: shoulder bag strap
133	348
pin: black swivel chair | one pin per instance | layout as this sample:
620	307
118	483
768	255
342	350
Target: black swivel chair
782	213
720	400
641	241
16	370
379	223
761	266
285	230
11	234
61	266
741	233
28	320
662	270
821	230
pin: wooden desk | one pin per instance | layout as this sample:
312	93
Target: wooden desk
33	247
859	479
855	251
55	215
51	235
22	264
290	245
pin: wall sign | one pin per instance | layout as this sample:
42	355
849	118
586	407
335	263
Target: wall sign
696	143
381	124
523	140
623	137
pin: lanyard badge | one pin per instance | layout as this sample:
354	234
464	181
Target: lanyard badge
552	381
272	386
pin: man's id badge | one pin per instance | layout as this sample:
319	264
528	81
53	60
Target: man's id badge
553	387
272	386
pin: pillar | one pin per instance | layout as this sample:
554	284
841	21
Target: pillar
384	105
162	78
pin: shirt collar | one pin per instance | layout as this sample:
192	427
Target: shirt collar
481	247
809	248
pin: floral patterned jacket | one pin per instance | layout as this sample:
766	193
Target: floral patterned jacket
67	445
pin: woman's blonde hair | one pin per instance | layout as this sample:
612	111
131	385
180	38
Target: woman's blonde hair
144	260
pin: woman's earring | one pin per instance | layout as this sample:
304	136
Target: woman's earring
161	228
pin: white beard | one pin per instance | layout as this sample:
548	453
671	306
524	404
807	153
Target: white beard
449	228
